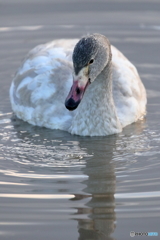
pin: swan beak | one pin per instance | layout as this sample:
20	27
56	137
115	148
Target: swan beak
80	84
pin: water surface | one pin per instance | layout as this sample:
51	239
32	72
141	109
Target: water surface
57	186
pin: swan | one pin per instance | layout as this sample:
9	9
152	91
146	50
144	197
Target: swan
101	85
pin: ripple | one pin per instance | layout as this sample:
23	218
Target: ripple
3	121
138	195
39	176
155	27
45	156
20	28
13	183
37	196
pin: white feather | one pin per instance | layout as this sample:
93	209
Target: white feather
40	86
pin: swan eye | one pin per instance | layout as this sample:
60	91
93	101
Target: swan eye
91	61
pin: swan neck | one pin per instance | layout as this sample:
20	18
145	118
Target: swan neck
96	114
105	79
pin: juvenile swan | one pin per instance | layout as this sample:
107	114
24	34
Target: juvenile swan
101	84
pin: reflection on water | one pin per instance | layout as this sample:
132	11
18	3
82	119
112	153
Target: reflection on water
96	220
58	186
42	164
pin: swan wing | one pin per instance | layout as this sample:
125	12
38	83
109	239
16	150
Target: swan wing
128	91
41	84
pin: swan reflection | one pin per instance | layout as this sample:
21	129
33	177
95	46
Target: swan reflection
96	220
96	161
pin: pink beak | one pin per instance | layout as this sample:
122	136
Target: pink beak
75	95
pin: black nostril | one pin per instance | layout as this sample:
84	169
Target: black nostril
78	90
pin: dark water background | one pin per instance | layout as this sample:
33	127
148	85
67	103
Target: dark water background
57	186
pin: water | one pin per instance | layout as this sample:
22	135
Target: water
57	186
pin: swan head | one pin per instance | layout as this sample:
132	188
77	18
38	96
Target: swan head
90	56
